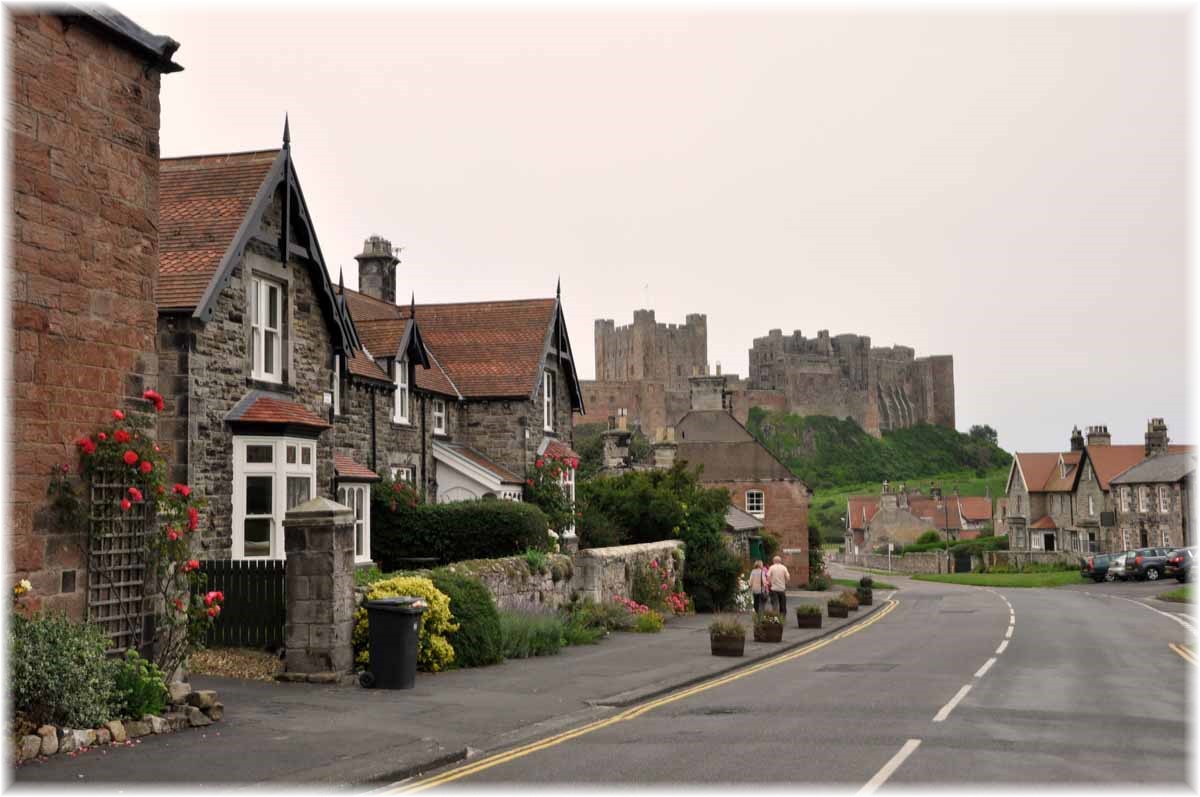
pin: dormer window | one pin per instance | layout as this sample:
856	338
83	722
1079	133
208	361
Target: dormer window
266	320
400	410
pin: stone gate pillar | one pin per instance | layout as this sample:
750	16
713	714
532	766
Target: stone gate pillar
318	538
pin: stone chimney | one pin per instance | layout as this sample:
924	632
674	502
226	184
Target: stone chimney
935	493
887	498
377	269
616	449
1098	436
1156	437
707	392
664	448
1076	439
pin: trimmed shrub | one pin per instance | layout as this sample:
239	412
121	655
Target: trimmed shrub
58	672
527	634
477	642
434	651
607	616
928	537
141	688
453	532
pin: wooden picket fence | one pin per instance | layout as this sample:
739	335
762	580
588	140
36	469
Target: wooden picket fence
255	610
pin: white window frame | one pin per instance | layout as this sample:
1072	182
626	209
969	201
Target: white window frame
1124	539
1091	506
548	396
402	403
357	496
756	498
1164	500
567	481
1143	499
1035	539
259	313
1126	498
280	470
403	473
439	416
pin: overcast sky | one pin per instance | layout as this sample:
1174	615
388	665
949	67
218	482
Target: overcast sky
1006	188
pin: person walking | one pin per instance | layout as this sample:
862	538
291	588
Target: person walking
777	578
758	585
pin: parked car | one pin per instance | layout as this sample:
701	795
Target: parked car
1179	563
1096	566
1116	566
1147	564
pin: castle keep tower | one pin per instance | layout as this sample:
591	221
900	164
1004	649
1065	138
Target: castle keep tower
377	269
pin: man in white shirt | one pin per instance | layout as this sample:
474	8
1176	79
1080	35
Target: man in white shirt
778	576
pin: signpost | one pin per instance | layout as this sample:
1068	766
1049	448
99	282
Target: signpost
890	557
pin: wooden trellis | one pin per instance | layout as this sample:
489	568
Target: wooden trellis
117	562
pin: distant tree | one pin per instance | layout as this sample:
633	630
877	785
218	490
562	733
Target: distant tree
984	433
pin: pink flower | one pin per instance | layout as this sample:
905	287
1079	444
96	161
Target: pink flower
172	536
541	463
193	519
102	436
118	415
182	489
125	505
130	457
213	611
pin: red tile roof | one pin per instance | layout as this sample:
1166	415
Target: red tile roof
976	508
202	202
860	507
486	349
1037	469
942	513
346	468
1044	522
358	364
258	406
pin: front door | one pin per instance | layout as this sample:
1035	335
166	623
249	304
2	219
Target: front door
1145	537
1048	541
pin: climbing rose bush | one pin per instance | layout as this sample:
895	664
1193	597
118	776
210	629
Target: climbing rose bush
545	490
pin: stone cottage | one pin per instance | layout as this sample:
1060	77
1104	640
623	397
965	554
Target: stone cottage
899	515
501	389
1153	501
84	176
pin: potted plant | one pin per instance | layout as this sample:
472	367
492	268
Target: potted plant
849	600
863	592
727	636
768	627
808	616
836	608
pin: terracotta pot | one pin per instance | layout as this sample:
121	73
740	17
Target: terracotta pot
728	645
808	621
768	633
837	611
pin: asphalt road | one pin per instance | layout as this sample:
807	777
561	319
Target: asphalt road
1086	690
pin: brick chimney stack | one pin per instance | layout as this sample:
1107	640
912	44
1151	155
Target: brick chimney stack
377	269
1098	436
1156	437
707	392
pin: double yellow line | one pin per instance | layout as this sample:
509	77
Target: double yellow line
1184	653
633	713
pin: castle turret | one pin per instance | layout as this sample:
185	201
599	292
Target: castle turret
377	269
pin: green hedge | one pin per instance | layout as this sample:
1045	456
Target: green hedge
454	532
58	672
477	642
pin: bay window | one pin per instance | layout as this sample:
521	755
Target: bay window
270	476
358	498
266	320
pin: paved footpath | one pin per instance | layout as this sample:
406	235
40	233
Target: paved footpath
344	735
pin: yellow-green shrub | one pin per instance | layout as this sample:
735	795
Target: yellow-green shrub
434	651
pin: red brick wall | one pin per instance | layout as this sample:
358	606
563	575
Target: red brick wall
84	135
785	515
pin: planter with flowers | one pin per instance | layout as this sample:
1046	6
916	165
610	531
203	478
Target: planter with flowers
837	608
808	616
768	627
850	600
727	636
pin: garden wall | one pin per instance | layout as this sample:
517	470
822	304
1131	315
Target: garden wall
929	562
601	573
1015	558
513	586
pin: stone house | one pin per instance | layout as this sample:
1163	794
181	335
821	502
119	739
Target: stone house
1153	501
84	171
256	353
500	392
728	456
898	515
1062	501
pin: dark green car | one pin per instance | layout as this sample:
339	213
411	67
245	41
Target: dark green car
1095	566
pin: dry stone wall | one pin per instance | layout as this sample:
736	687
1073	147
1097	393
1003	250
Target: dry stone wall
929	562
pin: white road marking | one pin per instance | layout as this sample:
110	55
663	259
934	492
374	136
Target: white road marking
1000	649
946	709
987	665
891	766
1012	620
1186	624
1008	633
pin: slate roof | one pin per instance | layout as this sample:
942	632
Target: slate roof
1165	468
203	201
1111	461
501	473
258	406
739	519
485	349
347	469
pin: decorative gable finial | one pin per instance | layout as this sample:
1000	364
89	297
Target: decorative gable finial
287	133
412	306
558	288
341	281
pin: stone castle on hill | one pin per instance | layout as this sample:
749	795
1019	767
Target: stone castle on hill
642	373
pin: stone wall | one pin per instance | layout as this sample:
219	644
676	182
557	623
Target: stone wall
396	445
514	587
601	573
83	126
1017	558
930	562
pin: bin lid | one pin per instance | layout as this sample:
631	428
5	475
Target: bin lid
406	604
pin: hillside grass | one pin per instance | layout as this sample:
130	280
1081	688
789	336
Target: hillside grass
1050	579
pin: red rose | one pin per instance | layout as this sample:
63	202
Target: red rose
541	463
86	445
135	494
160	489
172	536
208	599
118	415
193	518
121	436
147	466
529	482
153	396
131	458
102	436
212	612
220	596
182	489
179	604
125	505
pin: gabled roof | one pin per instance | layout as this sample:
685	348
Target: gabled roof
457	455
733	462
1110	461
862	509
1036	468
1044	522
975	508
1065	474
347	470
358	364
1163	469
738	519
485	349
260	407
711	426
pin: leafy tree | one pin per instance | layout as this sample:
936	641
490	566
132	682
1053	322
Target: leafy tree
985	433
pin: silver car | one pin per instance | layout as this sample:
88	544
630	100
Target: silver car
1116	566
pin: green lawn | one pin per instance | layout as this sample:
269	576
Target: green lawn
852	583
1181	595
1052	579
